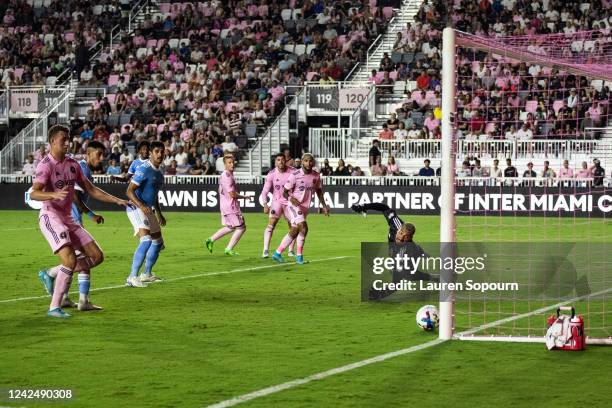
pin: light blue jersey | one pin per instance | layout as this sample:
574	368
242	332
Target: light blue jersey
76	214
135	164
149	180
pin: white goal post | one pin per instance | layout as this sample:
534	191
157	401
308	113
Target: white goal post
453	39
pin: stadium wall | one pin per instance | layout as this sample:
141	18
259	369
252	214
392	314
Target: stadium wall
520	200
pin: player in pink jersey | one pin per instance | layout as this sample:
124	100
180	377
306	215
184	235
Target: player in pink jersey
275	182
298	190
231	216
56	176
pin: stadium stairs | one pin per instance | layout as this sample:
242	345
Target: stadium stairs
384	44
277	135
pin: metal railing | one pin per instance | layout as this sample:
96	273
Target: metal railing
350	143
271	141
387	37
14	154
4	106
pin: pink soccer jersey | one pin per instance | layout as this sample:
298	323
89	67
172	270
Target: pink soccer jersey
227	184
302	185
275	182
55	176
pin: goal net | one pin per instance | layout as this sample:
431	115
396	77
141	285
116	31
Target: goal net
520	118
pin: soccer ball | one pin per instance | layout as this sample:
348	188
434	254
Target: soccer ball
427	318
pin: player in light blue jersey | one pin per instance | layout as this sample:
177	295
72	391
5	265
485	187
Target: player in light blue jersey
93	158
144	149
146	216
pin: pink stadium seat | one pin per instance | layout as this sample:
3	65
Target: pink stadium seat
69	37
379	76
160	128
164	7
531	106
172	86
388	12
373	3
113	80
416	95
490	127
310	75
557	105
430	95
18	72
546	71
184	86
208	11
393	75
228	107
151	44
111	98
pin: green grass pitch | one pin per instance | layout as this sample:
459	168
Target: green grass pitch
203	339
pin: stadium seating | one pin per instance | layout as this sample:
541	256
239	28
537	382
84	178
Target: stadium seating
44	39
229	75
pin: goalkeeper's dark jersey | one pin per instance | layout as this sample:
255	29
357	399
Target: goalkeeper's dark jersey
393	220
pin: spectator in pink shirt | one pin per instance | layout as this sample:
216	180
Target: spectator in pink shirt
585	172
566	172
595	113
430	122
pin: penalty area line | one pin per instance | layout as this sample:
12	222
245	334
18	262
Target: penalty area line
382	357
199	275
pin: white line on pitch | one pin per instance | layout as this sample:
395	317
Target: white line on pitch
532	313
324	374
200	275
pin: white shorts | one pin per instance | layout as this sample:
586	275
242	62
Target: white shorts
140	221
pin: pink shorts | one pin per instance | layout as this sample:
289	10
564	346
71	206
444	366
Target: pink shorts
278	209
232	220
295	215
60	231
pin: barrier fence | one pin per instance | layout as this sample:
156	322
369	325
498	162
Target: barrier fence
407	195
343	143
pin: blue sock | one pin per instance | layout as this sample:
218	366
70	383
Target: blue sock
152	255
140	254
83	285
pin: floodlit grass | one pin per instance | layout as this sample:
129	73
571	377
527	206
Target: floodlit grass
203	339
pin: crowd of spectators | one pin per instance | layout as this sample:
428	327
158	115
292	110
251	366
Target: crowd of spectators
39	40
208	77
472	167
498	98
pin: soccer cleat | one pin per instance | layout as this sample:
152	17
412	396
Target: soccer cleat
291	253
149	278
278	257
57	312
85	306
134	282
299	259
230	252
359	209
265	254
68	303
209	244
46	280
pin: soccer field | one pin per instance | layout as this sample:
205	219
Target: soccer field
219	327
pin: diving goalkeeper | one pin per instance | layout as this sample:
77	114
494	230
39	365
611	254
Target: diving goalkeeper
400	237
